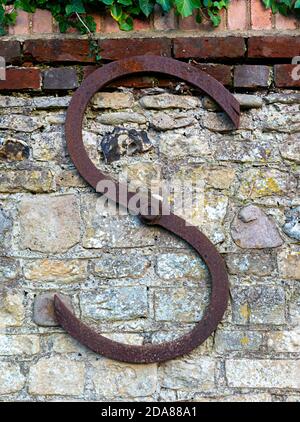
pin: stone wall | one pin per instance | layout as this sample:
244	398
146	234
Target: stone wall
135	283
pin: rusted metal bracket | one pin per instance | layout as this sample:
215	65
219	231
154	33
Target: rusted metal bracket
219	280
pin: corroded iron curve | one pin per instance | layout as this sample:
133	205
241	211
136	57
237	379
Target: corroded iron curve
219	280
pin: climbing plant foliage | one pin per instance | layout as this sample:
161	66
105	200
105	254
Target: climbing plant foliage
77	13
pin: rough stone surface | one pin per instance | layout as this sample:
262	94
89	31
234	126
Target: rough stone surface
123	380
188	373
290	149
138	284
165	101
252	228
20	123
113	100
184	304
11	378
162	121
43	309
12	311
57	376
263	373
258	305
66	271
292	224
237	341
124	142
284	341
49	224
131	265
118	118
13	150
258	263
175	266
115	304
289	263
19	345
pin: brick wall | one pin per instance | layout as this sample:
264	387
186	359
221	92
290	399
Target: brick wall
241	15
55	237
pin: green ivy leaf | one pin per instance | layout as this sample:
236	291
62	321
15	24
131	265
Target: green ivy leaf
186	7
297	4
165	5
76	6
116	12
108	2
26	5
125	2
146	7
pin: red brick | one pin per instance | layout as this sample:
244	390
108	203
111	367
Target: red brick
189	23
164	21
42	22
238	14
58	50
221	72
209	47
10	50
283	76
109	25
21	78
22	26
251	76
98	21
285	22
78	50
142	24
261	18
283	46
120	48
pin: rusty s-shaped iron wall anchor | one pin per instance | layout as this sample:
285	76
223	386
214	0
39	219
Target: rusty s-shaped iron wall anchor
219	281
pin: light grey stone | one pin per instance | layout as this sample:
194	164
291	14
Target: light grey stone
128	264
290	148
11	378
46	103
249	101
237	341
263	373
57	376
188	374
49	224
118	118
115	304
289	98
257	263
165	101
172	266
185	304
258	305
292	224
163	121
20	123
9	269
123	380
19	345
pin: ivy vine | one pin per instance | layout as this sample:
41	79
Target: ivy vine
76	13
